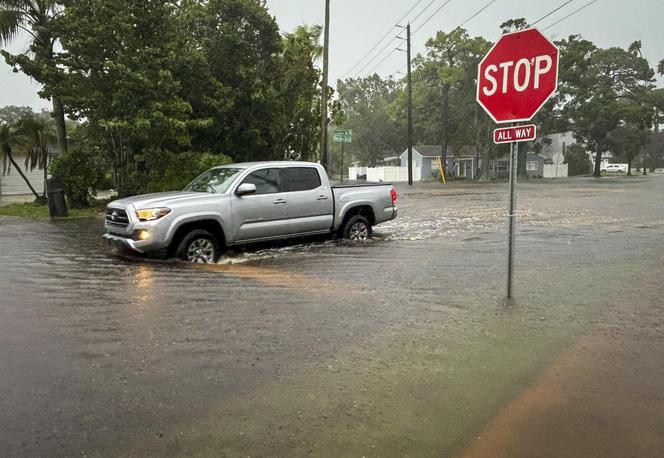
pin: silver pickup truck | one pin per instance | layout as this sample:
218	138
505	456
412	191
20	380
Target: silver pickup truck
244	203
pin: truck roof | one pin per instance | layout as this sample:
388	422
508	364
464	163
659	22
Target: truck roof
246	165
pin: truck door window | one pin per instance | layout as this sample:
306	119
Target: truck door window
301	179
266	181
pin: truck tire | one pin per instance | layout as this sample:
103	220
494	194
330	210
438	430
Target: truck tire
199	247
357	229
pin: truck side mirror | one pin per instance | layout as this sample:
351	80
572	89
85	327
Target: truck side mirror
245	189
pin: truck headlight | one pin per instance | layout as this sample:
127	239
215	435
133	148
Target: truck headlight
151	214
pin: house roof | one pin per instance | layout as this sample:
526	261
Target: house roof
429	150
434	151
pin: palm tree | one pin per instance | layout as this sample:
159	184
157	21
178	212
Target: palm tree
11	139
35	18
40	134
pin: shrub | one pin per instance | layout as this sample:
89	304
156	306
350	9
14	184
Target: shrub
81	171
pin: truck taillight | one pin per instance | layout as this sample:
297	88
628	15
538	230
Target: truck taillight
393	192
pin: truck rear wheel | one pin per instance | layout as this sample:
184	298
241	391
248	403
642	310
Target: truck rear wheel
199	247
357	229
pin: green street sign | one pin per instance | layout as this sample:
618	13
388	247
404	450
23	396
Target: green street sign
343	136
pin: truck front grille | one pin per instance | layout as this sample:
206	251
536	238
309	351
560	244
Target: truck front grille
117	217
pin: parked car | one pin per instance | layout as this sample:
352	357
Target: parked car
614	168
243	203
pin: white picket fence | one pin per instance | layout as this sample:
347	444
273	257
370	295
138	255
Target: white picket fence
555	171
391	174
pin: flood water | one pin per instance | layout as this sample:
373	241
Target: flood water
317	347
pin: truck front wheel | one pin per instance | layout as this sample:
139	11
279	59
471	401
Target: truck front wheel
199	247
357	229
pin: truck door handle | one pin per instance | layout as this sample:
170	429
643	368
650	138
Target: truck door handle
321	198
279	202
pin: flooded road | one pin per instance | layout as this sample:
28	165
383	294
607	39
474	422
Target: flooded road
403	346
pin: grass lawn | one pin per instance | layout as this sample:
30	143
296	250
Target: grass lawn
32	210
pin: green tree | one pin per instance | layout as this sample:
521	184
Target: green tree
117	71
628	142
231	75
12	113
577	160
299	93
594	82
36	18
513	25
444	95
12	139
375	112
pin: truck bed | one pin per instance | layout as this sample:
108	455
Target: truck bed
358	185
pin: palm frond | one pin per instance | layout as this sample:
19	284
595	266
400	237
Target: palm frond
10	24
39	134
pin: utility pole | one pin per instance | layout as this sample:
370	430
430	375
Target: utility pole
410	109
410	101
323	123
446	102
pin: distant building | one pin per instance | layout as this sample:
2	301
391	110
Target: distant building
425	157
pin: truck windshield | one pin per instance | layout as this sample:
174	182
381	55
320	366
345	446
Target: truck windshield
214	181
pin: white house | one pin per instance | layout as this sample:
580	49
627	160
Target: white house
559	143
425	157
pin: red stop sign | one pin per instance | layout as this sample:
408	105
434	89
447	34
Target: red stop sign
517	76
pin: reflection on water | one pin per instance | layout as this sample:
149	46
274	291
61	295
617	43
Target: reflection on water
143	291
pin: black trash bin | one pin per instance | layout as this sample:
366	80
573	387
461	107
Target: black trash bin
57	206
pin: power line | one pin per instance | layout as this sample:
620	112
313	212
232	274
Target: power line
432	16
569	15
550	13
476	13
422	12
473	16
378	54
383	38
381	61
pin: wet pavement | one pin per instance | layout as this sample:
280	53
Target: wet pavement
403	346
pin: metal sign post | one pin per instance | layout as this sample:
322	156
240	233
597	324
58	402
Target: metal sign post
343	136
514	80
514	162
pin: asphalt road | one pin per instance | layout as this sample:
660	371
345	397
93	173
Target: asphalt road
401	347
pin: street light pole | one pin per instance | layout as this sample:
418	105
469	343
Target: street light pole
323	124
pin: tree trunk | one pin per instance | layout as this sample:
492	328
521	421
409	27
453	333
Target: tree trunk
598	161
645	164
20	172
521	166
629	168
485	175
61	127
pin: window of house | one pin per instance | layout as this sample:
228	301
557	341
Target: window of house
531	166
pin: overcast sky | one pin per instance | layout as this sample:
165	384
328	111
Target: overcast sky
356	26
